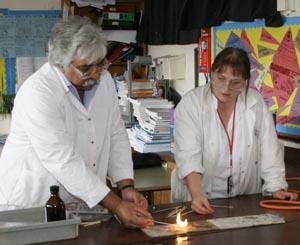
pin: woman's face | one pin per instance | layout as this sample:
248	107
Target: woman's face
226	86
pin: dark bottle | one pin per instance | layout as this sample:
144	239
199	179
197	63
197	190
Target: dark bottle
55	208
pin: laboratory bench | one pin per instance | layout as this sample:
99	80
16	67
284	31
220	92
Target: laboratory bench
112	232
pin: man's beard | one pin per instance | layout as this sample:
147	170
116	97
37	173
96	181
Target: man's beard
88	84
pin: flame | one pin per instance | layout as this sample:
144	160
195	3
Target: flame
179	222
181	240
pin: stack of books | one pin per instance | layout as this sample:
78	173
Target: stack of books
152	132
139	89
120	24
122	92
117	51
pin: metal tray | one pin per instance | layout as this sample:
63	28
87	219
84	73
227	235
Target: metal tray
25	226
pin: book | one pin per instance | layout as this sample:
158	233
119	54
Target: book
117	50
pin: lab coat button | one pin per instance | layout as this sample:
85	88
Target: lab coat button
89	119
94	165
92	142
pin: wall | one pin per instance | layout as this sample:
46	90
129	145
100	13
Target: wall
187	84
25	5
31	4
156	51
182	86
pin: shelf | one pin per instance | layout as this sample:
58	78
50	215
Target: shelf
140	80
119	64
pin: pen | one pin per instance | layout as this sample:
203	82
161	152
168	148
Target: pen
87	224
162	223
221	206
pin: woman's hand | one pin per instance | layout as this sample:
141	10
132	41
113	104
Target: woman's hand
201	205
281	194
133	216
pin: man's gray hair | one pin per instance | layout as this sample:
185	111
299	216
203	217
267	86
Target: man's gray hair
76	38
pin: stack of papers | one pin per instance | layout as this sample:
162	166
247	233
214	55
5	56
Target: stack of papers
94	3
152	133
26	66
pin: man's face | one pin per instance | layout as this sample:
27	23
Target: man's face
80	71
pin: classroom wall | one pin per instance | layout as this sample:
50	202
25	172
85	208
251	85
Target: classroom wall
25	5
182	86
291	8
156	51
31	4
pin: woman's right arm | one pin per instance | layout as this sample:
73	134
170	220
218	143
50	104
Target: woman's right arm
200	203
189	150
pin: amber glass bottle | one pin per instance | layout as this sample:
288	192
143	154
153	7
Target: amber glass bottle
55	207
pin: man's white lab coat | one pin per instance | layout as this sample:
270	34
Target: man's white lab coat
54	139
202	146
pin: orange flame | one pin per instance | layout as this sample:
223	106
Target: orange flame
179	222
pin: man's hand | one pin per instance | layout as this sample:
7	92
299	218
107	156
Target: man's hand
133	216
130	195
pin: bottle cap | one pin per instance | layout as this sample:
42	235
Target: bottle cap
54	189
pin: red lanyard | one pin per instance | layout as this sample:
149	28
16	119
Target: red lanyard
230	142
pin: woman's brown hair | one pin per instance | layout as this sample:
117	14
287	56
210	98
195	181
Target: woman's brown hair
235	58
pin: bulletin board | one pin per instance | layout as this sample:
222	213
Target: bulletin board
274	56
23	33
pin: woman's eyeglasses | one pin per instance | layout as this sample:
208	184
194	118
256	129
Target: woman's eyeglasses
84	71
234	83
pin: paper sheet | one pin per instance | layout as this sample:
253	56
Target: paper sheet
214	224
26	66
124	36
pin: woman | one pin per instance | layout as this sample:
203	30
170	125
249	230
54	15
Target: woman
226	144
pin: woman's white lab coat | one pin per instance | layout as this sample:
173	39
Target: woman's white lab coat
54	139
201	146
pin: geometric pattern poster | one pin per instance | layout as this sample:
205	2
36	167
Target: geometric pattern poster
274	55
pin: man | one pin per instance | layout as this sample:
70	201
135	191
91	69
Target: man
66	129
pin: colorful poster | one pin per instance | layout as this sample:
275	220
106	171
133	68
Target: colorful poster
275	71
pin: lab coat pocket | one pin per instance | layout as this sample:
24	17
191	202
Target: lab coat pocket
31	189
